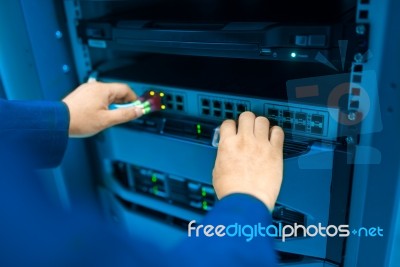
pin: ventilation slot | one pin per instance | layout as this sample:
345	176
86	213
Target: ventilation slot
291	148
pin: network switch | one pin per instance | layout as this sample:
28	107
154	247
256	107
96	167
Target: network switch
306	120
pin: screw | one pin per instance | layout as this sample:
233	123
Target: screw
65	68
58	34
352	116
360	29
349	140
358	58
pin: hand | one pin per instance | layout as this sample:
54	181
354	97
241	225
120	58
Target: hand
88	107
249	159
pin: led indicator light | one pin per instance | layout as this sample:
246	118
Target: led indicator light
205	206
203	193
155	190
152	93
162	94
154	178
293	55
162	106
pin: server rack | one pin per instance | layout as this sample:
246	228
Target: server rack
123	200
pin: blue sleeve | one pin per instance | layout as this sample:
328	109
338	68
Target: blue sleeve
236	210
35	130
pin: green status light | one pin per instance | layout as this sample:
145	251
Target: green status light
155	190
205	205
293	54
198	127
203	192
153	178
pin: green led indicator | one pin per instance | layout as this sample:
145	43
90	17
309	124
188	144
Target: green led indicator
205	206
154	178
198	126
155	190
293	55
203	192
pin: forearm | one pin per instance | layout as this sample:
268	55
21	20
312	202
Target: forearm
38	130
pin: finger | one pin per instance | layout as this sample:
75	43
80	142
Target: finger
277	137
261	128
120	93
228	128
121	115
246	123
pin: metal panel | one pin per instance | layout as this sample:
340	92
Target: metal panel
306	186
376	176
36	64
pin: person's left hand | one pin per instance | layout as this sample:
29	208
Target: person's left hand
88	107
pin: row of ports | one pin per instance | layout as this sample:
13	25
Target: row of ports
297	121
174	102
174	98
171	106
298	127
300	117
228	106
222	109
219	113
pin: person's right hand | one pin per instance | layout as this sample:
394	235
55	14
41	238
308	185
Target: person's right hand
249	159
88	107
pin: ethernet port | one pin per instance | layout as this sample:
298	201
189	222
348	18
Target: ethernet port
205	111
168	98
217	113
316	130
179	99
205	102
228	106
301	116
170	106
241	108
273	112
229	115
217	104
179	107
287	114
317	119
287	125
272	122
300	127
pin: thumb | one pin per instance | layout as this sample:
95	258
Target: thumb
121	115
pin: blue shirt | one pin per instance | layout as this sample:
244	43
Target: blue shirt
34	135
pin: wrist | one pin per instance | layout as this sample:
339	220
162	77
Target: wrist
264	198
